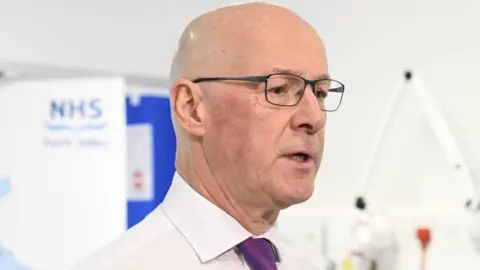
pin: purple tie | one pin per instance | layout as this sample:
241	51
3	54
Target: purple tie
258	253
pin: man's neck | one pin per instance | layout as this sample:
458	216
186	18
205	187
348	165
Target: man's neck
256	221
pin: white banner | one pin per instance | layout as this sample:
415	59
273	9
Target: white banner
68	143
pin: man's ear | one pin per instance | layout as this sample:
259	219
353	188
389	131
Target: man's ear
186	104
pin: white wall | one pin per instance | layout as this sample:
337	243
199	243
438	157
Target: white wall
369	43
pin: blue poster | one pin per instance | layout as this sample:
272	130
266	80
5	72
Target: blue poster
153	111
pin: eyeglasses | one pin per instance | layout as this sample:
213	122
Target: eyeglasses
284	89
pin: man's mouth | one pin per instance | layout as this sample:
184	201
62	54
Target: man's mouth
300	157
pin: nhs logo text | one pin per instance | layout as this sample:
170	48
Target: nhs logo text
71	109
75	115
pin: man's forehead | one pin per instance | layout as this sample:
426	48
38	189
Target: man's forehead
293	48
309	63
263	55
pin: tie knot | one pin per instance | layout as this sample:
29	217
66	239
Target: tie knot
256	242
259	253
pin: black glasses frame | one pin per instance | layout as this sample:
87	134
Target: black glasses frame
264	79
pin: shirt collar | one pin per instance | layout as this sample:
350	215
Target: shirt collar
209	230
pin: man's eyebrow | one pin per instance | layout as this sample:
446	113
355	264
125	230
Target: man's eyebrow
299	73
287	70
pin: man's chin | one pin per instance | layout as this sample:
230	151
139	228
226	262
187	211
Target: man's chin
290	200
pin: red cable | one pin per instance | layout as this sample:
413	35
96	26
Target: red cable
424	237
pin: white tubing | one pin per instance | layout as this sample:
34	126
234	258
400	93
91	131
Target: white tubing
365	177
446	139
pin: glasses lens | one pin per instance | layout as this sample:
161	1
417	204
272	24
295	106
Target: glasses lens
284	90
329	94
287	90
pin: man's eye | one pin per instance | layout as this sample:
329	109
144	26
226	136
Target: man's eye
280	90
320	94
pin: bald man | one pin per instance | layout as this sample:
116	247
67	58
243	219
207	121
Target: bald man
249	96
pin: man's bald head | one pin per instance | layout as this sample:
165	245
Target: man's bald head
222	41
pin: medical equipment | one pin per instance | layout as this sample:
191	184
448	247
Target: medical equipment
474	228
373	244
441	131
329	263
424	237
450	149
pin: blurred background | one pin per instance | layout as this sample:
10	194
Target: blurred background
87	147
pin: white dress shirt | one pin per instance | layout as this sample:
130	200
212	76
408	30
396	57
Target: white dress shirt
186	232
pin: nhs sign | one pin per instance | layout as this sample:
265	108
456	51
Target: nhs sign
75	115
71	109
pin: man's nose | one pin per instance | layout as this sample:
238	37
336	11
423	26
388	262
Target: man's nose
308	115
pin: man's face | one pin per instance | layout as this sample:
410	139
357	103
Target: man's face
260	147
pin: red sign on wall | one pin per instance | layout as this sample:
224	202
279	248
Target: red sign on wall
138	180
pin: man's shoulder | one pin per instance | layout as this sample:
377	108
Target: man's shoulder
144	244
